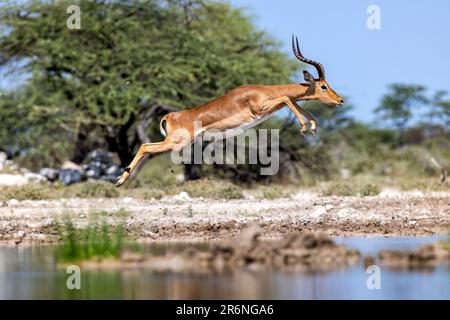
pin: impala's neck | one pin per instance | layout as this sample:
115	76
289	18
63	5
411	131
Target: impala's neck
294	91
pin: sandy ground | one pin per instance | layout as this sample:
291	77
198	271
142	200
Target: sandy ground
183	219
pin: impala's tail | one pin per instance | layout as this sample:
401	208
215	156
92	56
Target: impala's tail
162	126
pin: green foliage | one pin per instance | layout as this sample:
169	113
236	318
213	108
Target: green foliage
91	88
97	240
441	107
396	106
128	55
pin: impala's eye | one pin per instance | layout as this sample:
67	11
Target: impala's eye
324	87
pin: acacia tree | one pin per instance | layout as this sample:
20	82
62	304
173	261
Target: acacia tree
396	106
441	107
130	62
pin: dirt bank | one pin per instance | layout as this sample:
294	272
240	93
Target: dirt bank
297	251
182	218
426	257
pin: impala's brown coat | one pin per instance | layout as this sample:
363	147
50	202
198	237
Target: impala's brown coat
241	107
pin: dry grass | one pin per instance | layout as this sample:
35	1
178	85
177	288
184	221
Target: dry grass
361	185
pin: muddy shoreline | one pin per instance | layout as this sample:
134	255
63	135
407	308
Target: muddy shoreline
197	219
298	251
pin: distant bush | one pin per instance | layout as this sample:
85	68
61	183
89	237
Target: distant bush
424	185
212	189
273	192
339	189
27	192
369	190
350	188
145	193
93	190
230	192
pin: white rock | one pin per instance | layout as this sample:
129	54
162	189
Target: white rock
2	160
345	213
49	173
13	202
182	196
19	235
345	173
416	193
12	180
387	192
38	236
303	195
249	197
319	212
149	233
127	199
24	170
11	165
71	165
34	177
47	223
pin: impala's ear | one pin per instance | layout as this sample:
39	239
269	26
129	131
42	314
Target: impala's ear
309	78
311	81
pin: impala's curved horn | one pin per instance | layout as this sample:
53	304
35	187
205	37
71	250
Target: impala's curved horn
298	54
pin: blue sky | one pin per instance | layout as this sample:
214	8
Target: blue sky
413	45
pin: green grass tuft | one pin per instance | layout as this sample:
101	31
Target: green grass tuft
98	240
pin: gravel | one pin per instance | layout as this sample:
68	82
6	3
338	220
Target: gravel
183	218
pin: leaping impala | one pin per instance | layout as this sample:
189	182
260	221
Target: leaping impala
243	107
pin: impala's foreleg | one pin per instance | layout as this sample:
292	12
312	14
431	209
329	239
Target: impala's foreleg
309	116
285	100
145	149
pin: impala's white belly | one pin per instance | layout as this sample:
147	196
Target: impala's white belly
228	133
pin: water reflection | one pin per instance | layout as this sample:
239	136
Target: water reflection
30	273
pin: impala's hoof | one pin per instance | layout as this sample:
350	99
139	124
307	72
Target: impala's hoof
303	131
119	181
313	131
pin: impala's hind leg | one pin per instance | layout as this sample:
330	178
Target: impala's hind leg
145	149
